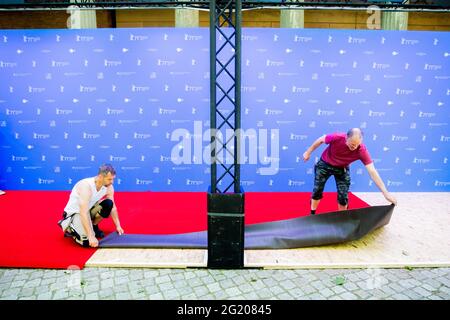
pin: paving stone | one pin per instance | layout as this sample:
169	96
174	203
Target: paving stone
257	285
123	296
246	288
251	296
26	292
308	289
44	296
400	296
138	294
348	296
104	293
287	284
326	292
112	283
91	296
361	294
60	294
91	288
233	292
32	283
11	292
107	283
213	287
199	291
265	293
349	286
297	293
195	282
228	283
338	289
165	286
318	285
121	288
316	296
121	280
18	284
136	276
150	290
176	277
185	291
285	296
47	281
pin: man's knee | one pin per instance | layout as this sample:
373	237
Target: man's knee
317	195
107	206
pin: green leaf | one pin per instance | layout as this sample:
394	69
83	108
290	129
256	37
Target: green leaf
339	280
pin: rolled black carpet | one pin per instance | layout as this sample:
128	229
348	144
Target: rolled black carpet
322	229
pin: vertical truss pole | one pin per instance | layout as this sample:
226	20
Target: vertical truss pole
212	89
225	94
237	114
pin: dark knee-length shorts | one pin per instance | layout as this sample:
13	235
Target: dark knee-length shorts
323	171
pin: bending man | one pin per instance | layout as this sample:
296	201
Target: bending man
91	200
342	150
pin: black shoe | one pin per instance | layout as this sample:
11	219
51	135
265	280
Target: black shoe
98	233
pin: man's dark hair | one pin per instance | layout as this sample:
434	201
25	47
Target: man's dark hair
106	168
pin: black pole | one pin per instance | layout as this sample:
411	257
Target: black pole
237	119
212	88
225	210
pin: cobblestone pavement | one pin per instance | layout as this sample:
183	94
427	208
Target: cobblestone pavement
213	284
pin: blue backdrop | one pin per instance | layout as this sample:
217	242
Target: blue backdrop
139	99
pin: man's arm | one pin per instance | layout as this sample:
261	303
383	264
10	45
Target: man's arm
114	213
313	147
85	217
379	182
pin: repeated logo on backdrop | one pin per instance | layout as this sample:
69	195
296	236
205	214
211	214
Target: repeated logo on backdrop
73	99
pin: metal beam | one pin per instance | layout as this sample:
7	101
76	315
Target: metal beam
225	94
386	5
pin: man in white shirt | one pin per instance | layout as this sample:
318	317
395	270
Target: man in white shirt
91	200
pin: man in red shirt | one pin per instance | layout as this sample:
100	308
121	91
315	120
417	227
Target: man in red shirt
342	150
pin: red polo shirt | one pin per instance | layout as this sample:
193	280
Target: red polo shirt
338	153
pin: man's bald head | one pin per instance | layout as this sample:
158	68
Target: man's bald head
354	132
354	138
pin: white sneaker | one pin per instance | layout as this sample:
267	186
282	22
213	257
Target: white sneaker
2	192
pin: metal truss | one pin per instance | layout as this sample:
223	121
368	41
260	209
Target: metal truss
225	95
385	5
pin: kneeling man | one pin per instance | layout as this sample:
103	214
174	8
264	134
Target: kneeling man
91	200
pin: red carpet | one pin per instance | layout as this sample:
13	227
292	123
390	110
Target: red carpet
31	238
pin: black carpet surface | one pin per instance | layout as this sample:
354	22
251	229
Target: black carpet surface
308	231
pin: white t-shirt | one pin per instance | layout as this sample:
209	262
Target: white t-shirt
73	205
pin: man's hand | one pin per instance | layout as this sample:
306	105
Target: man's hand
390	198
119	230
306	156
93	242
